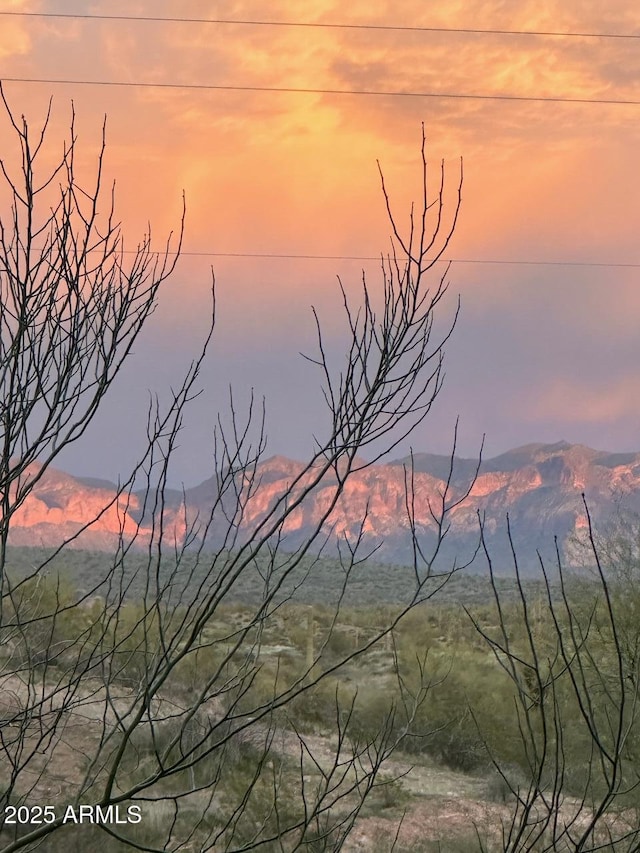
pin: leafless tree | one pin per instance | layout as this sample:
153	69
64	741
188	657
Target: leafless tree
165	704
576	700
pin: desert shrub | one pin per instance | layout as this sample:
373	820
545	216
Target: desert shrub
317	710
388	794
42	624
501	786
338	645
376	709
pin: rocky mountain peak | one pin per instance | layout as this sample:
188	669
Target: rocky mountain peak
540	486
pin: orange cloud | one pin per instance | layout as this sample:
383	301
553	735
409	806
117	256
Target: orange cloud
266	171
584	402
14	33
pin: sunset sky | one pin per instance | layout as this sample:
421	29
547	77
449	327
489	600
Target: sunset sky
545	257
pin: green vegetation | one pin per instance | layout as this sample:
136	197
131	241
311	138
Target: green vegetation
438	686
370	584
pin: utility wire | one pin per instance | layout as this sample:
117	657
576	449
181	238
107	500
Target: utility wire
321	25
480	261
313	91
374	93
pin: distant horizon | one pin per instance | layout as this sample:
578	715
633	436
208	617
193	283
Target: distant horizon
393	457
539	487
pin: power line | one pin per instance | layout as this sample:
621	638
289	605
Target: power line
322	25
317	91
479	261
290	256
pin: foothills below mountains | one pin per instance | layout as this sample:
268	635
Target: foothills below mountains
539	487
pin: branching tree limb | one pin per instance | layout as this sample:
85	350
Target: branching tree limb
577	712
169	703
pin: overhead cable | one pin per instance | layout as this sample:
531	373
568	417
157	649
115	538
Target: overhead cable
323	25
379	93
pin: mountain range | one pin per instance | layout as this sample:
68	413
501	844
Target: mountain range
538	486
